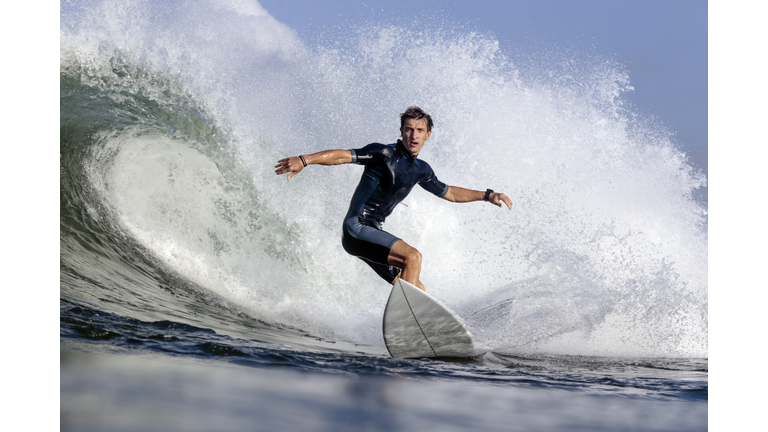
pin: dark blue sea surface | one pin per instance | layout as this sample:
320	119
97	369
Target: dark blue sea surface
119	373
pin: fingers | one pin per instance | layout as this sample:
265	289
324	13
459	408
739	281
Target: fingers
506	200
498	198
282	168
288	165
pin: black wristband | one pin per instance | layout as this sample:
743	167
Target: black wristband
302	160
488	193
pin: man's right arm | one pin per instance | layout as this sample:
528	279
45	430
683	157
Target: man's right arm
295	164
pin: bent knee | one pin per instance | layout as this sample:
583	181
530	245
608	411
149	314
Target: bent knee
413	257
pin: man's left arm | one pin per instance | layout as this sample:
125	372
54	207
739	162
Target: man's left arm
460	195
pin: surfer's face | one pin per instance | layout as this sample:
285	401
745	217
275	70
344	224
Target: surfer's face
415	134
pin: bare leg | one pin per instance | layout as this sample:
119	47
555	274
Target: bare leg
407	258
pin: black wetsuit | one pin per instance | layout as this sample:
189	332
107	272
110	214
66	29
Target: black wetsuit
391	171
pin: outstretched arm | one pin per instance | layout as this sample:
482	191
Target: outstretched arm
461	195
294	165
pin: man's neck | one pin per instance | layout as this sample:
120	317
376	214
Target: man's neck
405	149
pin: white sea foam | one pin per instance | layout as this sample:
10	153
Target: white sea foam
604	251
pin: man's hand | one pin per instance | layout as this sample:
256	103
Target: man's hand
292	165
497	198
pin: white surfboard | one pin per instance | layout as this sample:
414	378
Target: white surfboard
417	325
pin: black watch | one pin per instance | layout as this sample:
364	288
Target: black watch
488	193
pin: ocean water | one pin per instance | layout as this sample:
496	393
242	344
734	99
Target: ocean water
199	291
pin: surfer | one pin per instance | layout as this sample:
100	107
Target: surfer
391	171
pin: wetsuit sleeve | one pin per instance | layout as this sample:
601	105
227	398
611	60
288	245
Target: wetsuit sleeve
369	154
431	184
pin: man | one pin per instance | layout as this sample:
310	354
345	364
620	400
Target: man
391	171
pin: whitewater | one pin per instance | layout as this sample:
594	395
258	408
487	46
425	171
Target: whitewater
181	250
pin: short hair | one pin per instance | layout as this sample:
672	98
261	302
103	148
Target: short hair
416	113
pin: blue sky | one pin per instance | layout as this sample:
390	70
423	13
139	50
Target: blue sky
663	44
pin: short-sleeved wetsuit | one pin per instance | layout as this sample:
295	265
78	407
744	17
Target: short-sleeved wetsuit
391	171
